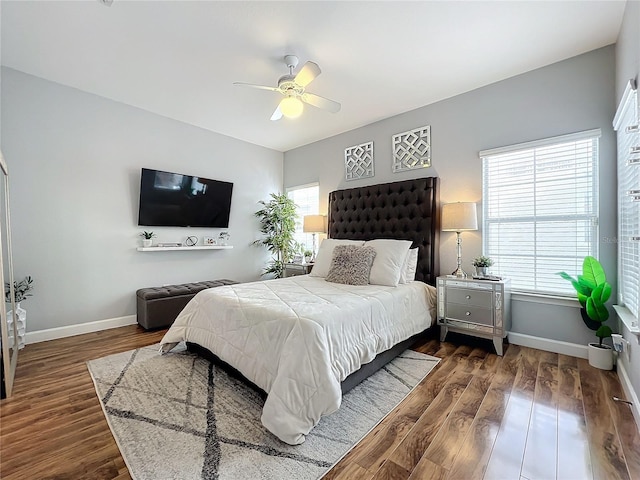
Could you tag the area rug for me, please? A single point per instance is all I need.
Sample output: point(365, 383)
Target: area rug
point(179, 416)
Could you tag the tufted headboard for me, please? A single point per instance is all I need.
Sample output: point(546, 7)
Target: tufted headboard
point(406, 210)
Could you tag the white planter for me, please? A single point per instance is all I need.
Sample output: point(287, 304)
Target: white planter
point(147, 243)
point(600, 357)
point(21, 324)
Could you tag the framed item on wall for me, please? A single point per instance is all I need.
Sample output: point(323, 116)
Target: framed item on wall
point(412, 149)
point(358, 161)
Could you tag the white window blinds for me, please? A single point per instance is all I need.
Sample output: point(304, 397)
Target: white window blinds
point(307, 200)
point(540, 210)
point(628, 138)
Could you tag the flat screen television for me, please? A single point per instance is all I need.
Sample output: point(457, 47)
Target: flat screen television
point(174, 200)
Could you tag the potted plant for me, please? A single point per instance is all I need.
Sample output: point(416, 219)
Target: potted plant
point(147, 238)
point(481, 264)
point(307, 256)
point(277, 224)
point(593, 291)
point(21, 291)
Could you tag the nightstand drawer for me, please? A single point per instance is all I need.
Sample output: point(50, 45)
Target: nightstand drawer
point(470, 314)
point(467, 296)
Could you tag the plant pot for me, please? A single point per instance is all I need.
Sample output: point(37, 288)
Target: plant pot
point(481, 271)
point(147, 243)
point(307, 259)
point(600, 356)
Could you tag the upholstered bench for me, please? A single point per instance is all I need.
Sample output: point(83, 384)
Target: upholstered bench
point(158, 307)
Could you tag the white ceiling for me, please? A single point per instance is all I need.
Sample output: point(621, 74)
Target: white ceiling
point(179, 59)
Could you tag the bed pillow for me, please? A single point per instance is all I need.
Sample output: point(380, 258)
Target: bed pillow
point(351, 265)
point(325, 254)
point(409, 267)
point(387, 266)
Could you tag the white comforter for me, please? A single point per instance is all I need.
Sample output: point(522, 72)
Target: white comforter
point(297, 338)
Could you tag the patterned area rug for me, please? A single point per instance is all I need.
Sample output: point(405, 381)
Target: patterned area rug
point(178, 416)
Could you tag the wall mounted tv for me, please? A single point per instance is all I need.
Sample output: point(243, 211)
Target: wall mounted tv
point(174, 200)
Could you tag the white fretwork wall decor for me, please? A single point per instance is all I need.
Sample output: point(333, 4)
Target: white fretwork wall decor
point(412, 149)
point(358, 161)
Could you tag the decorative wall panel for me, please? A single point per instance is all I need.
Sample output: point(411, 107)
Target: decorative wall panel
point(358, 161)
point(412, 149)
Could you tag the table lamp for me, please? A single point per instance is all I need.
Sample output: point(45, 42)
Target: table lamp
point(314, 224)
point(459, 217)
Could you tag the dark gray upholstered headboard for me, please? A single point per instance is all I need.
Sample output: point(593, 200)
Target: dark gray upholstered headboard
point(406, 210)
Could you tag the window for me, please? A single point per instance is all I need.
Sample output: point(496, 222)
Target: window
point(628, 135)
point(540, 210)
point(307, 199)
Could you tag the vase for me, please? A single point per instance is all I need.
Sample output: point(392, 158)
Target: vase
point(147, 243)
point(21, 324)
point(600, 356)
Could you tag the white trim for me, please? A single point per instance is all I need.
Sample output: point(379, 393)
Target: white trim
point(545, 299)
point(629, 90)
point(300, 187)
point(629, 392)
point(548, 345)
point(571, 137)
point(71, 330)
point(627, 318)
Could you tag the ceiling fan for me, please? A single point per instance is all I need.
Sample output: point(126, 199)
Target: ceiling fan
point(292, 87)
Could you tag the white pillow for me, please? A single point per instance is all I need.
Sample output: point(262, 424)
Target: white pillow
point(325, 255)
point(410, 265)
point(387, 266)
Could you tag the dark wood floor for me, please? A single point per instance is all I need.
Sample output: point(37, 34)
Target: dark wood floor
point(528, 415)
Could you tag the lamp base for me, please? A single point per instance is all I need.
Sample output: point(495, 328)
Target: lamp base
point(459, 273)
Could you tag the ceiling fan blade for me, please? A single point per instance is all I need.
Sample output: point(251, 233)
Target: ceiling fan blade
point(305, 76)
point(277, 114)
point(262, 87)
point(321, 102)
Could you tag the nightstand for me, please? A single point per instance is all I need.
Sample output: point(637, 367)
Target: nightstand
point(293, 269)
point(481, 308)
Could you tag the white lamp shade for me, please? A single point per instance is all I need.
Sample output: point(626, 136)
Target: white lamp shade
point(314, 224)
point(460, 216)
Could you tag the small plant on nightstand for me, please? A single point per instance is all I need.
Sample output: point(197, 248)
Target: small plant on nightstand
point(481, 264)
point(307, 256)
point(147, 238)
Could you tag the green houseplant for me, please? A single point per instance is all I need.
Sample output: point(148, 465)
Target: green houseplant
point(21, 290)
point(593, 291)
point(147, 238)
point(277, 224)
point(481, 264)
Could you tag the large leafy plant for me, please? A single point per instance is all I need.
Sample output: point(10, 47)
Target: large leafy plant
point(593, 291)
point(277, 224)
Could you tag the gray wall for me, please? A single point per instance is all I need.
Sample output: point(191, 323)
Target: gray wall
point(75, 160)
point(628, 67)
point(570, 96)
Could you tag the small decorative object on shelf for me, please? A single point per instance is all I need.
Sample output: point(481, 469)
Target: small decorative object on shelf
point(147, 238)
point(191, 241)
point(21, 291)
point(481, 264)
point(223, 238)
point(209, 241)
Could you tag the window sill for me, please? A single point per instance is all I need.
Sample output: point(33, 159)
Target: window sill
point(628, 319)
point(545, 299)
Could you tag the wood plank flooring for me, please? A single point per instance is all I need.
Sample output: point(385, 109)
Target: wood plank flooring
point(525, 416)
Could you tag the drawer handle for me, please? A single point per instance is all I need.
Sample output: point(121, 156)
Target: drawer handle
point(468, 297)
point(468, 314)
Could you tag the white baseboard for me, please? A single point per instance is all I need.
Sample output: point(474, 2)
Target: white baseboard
point(71, 330)
point(548, 345)
point(629, 392)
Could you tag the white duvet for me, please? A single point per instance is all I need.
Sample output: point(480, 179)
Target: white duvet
point(297, 338)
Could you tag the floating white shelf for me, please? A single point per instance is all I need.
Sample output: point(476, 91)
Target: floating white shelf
point(195, 247)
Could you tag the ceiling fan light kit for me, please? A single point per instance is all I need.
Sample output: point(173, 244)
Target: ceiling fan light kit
point(292, 87)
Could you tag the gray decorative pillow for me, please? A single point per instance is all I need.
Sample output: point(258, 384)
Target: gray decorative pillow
point(351, 265)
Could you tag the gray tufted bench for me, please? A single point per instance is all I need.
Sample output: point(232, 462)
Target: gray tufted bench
point(158, 307)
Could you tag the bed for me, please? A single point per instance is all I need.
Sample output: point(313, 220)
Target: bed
point(304, 340)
